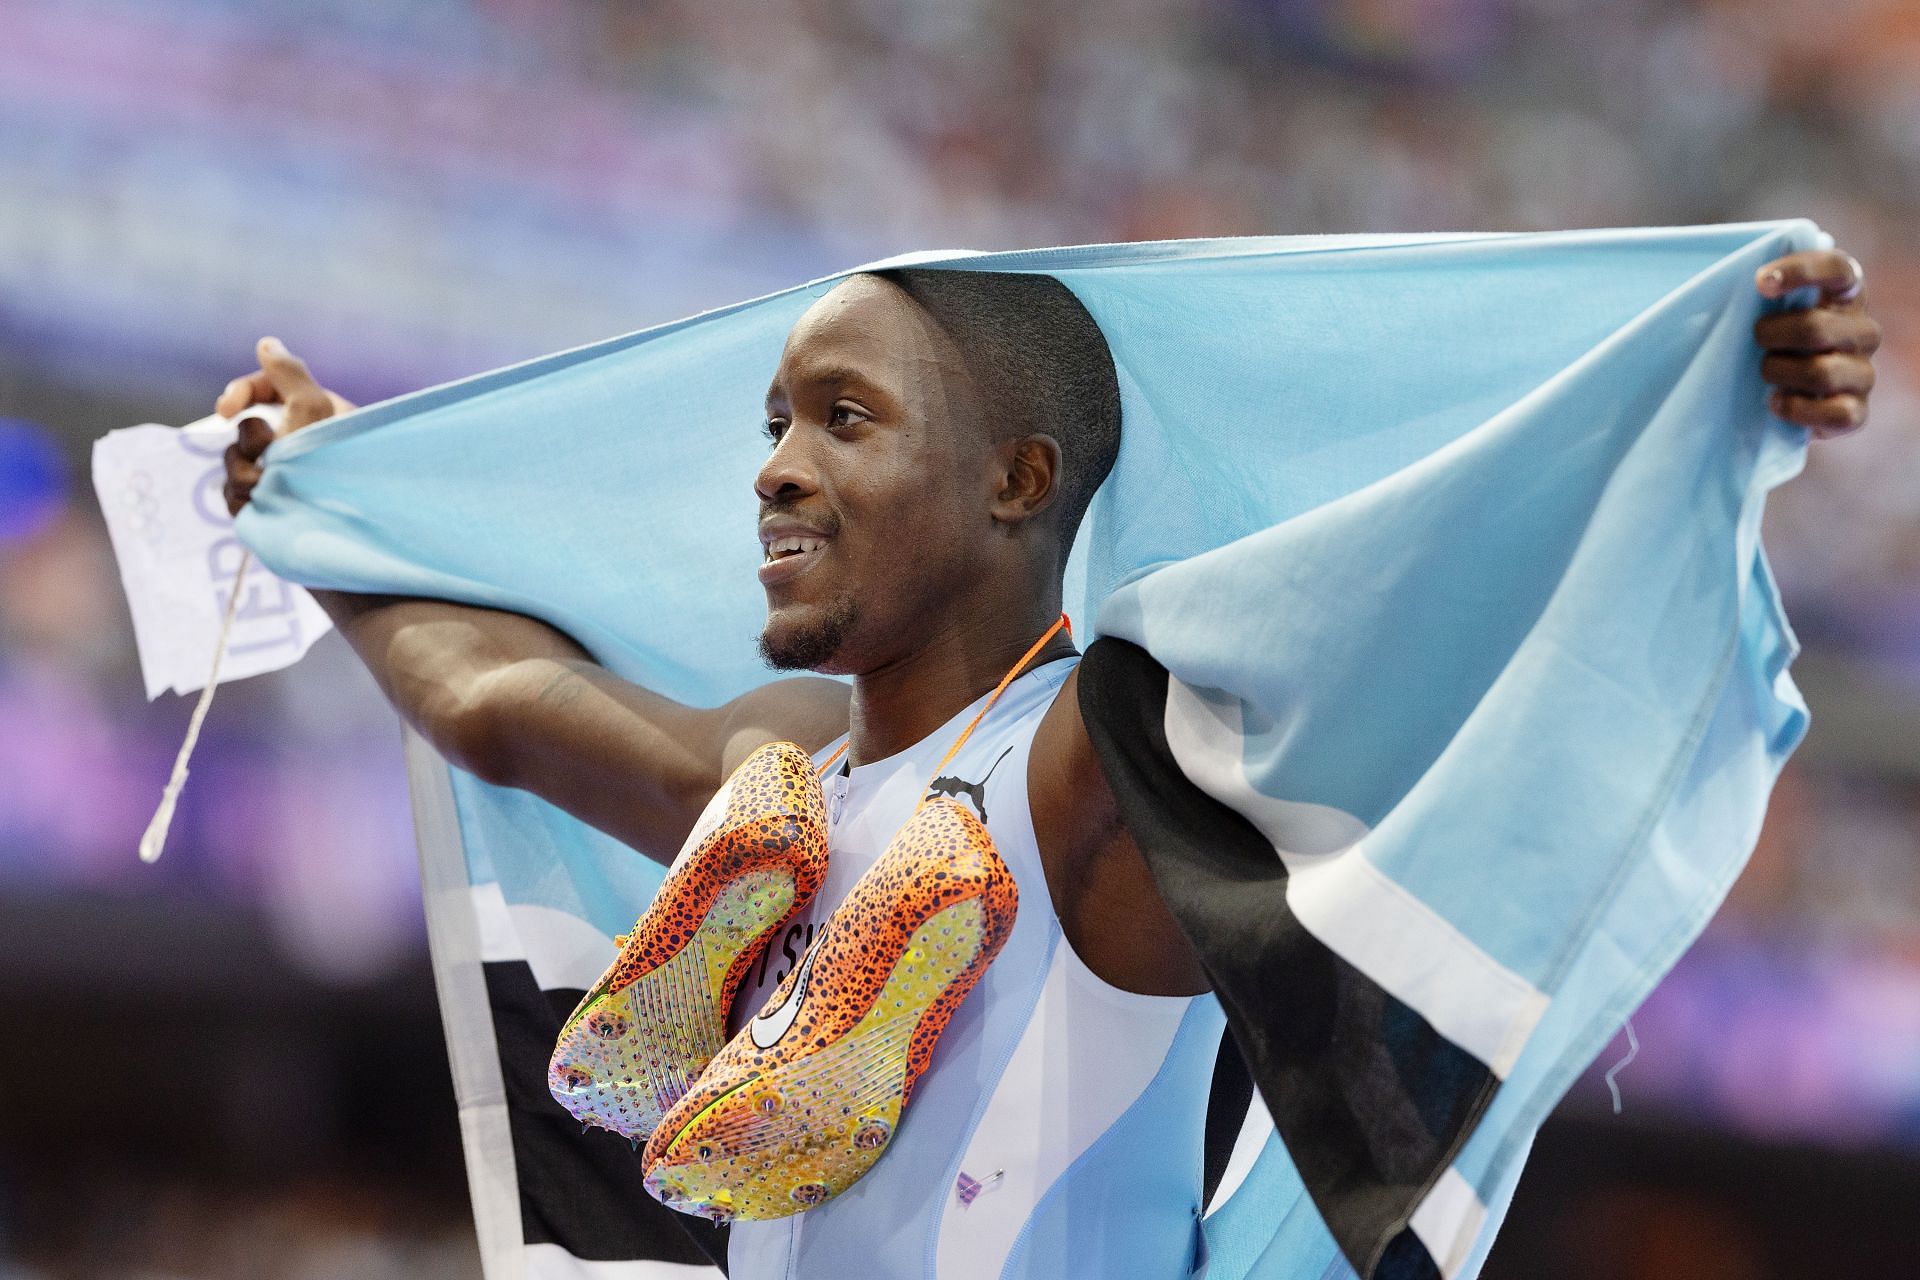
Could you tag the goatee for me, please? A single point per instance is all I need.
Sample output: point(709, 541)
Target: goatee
point(812, 644)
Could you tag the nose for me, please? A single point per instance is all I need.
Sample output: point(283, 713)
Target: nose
point(790, 472)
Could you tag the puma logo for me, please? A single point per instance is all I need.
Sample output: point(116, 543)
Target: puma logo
point(976, 792)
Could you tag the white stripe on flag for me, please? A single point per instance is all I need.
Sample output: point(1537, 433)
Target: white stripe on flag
point(454, 930)
point(468, 924)
point(564, 951)
point(1347, 903)
point(1255, 1130)
point(1448, 1222)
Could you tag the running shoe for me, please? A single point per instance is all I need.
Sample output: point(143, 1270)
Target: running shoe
point(803, 1101)
point(638, 1039)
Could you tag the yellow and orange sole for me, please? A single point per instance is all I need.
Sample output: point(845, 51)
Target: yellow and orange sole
point(768, 1133)
point(639, 1039)
point(625, 1056)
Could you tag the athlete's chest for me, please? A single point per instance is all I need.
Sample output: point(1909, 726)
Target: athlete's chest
point(867, 807)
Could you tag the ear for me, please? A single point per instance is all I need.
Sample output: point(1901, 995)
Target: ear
point(1028, 473)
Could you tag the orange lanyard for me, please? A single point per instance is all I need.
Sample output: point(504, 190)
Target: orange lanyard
point(994, 697)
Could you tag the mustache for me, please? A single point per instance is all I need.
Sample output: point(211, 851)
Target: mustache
point(827, 522)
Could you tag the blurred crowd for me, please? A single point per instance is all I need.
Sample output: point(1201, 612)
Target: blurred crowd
point(133, 1229)
point(408, 193)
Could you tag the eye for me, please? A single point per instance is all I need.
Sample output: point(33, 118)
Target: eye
point(774, 428)
point(845, 415)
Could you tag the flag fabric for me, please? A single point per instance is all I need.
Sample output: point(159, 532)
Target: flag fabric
point(1434, 660)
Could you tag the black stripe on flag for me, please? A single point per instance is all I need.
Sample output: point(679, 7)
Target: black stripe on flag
point(1227, 1104)
point(1371, 1101)
point(581, 1191)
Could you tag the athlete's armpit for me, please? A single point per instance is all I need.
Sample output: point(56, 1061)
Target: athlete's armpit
point(1103, 891)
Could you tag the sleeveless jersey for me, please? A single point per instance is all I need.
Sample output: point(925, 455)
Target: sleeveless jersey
point(1057, 1134)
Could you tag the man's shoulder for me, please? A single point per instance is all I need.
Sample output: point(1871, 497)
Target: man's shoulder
point(812, 711)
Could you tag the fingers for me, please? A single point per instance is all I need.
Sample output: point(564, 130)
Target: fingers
point(242, 457)
point(1825, 416)
point(243, 472)
point(307, 402)
point(1822, 375)
point(1825, 393)
point(1818, 330)
point(1819, 359)
point(252, 389)
point(243, 465)
point(1836, 275)
point(255, 436)
point(283, 379)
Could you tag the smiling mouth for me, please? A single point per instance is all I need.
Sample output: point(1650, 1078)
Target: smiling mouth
point(788, 548)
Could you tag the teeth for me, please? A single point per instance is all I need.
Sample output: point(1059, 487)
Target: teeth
point(788, 546)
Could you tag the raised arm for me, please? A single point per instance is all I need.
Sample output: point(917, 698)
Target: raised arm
point(516, 702)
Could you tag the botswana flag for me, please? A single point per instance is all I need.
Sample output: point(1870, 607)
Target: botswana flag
point(1436, 665)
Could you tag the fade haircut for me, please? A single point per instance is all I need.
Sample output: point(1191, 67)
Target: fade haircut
point(1040, 363)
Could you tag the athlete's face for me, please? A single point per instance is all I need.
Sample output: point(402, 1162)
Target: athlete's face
point(879, 473)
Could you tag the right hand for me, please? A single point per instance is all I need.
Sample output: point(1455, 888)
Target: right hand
point(283, 379)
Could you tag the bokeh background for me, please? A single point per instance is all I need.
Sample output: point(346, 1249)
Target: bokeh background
point(229, 1064)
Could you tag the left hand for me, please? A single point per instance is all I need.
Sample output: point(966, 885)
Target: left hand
point(1819, 360)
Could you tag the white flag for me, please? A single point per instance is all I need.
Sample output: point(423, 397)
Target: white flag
point(159, 488)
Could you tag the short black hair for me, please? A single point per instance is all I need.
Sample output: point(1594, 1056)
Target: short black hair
point(1030, 344)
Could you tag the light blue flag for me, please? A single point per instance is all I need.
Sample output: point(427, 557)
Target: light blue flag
point(1431, 562)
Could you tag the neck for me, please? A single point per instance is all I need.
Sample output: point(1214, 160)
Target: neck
point(903, 700)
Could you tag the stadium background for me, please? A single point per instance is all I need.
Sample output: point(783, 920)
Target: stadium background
point(229, 1065)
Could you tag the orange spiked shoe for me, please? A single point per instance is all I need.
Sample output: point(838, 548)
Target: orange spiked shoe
point(636, 1041)
point(803, 1101)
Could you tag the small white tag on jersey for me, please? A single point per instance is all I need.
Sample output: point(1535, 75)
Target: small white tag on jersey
point(160, 490)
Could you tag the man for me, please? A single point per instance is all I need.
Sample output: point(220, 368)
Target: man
point(933, 503)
